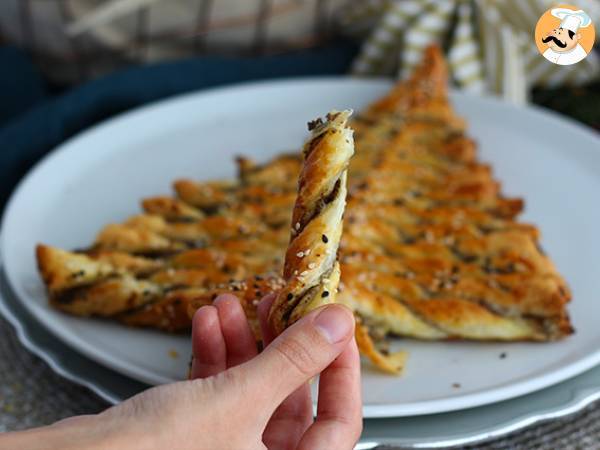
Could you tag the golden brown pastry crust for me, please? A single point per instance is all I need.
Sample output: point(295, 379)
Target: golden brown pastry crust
point(311, 269)
point(431, 248)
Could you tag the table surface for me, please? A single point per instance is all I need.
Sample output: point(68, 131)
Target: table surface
point(31, 394)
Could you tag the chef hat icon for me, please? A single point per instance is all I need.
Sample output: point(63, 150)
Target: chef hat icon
point(571, 20)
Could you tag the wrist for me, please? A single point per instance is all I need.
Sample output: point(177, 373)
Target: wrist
point(90, 432)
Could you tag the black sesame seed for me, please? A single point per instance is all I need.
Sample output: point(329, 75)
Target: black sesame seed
point(325, 239)
point(314, 124)
point(325, 294)
point(290, 296)
point(503, 355)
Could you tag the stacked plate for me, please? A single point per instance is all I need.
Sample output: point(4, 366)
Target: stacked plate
point(451, 393)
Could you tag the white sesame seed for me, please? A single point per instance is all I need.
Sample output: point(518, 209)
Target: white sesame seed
point(300, 254)
point(449, 240)
point(493, 284)
point(297, 225)
point(304, 272)
point(312, 265)
point(307, 251)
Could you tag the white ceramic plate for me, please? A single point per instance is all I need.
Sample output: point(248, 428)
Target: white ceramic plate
point(100, 175)
point(438, 430)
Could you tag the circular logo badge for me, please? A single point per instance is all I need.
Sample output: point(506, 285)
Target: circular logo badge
point(565, 35)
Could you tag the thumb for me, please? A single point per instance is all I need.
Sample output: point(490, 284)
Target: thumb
point(302, 351)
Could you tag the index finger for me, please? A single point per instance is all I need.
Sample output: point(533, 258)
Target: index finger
point(339, 411)
point(267, 332)
point(291, 419)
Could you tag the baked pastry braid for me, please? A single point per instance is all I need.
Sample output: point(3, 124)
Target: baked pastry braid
point(392, 363)
point(311, 270)
point(431, 247)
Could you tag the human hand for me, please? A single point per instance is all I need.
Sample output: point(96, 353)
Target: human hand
point(240, 400)
point(222, 339)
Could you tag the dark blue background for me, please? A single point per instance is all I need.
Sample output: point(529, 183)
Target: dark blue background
point(33, 122)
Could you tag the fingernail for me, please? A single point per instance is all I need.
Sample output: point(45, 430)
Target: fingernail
point(334, 323)
point(225, 297)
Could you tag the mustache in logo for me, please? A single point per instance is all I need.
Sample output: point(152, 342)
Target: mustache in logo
point(556, 41)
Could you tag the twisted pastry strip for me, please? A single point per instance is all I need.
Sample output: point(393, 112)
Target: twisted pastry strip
point(311, 270)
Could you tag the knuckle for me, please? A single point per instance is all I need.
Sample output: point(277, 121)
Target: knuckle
point(358, 428)
point(353, 428)
point(233, 384)
point(234, 377)
point(297, 354)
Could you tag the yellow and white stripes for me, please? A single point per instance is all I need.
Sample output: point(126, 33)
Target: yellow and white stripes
point(424, 30)
point(464, 56)
point(490, 42)
point(384, 40)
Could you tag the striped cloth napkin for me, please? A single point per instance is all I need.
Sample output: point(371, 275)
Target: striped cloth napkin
point(489, 43)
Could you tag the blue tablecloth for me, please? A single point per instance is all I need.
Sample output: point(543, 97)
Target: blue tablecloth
point(33, 122)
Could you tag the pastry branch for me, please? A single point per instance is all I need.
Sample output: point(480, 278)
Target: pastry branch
point(311, 270)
